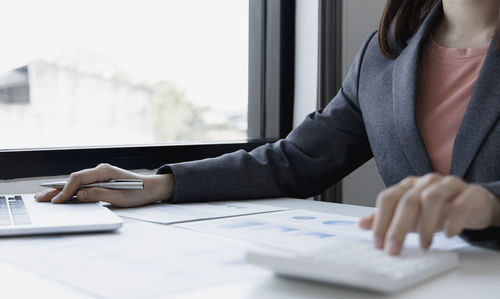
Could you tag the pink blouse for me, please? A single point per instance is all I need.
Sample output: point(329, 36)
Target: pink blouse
point(446, 79)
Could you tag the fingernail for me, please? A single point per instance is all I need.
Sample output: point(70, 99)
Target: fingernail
point(54, 199)
point(379, 242)
point(425, 244)
point(393, 247)
point(81, 195)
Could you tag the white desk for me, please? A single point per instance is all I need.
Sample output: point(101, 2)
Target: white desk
point(478, 275)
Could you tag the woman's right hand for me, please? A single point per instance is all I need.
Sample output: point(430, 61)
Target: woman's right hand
point(156, 188)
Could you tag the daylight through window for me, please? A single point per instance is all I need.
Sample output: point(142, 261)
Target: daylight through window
point(101, 73)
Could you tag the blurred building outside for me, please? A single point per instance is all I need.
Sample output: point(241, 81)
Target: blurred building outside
point(47, 104)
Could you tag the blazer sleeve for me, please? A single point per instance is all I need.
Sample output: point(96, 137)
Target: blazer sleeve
point(327, 146)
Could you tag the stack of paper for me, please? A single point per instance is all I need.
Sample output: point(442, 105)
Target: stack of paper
point(165, 213)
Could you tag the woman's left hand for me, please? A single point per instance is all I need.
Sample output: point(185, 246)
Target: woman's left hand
point(429, 204)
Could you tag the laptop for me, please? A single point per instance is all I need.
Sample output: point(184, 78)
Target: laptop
point(23, 215)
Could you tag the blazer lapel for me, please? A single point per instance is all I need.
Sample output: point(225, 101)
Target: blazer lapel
point(482, 114)
point(404, 90)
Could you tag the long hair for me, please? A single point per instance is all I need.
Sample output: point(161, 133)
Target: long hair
point(402, 18)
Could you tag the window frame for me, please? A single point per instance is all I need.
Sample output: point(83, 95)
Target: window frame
point(270, 109)
point(330, 21)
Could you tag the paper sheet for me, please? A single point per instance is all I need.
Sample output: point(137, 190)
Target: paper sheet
point(165, 213)
point(302, 230)
point(142, 260)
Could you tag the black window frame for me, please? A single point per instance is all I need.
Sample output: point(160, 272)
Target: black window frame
point(329, 69)
point(270, 109)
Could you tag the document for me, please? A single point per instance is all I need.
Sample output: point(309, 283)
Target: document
point(164, 213)
point(302, 230)
point(142, 260)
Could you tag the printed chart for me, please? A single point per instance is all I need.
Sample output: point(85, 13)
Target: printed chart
point(302, 230)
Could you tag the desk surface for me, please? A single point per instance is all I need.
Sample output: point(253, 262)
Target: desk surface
point(61, 268)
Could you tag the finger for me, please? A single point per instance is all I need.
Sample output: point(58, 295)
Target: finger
point(367, 222)
point(103, 172)
point(406, 214)
point(94, 194)
point(118, 198)
point(387, 201)
point(433, 199)
point(46, 195)
point(460, 211)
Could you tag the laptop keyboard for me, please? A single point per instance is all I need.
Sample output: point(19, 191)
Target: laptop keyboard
point(13, 211)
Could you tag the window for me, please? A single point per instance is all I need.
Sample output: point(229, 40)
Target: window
point(141, 83)
point(124, 72)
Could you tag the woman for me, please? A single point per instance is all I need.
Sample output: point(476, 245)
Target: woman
point(420, 97)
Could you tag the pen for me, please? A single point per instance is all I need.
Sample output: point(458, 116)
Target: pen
point(123, 184)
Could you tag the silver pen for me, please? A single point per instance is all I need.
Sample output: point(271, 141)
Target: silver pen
point(123, 184)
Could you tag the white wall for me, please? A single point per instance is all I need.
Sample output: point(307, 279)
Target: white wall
point(360, 17)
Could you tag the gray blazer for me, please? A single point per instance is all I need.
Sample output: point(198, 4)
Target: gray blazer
point(373, 115)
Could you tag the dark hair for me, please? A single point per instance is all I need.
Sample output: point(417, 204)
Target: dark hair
point(403, 18)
